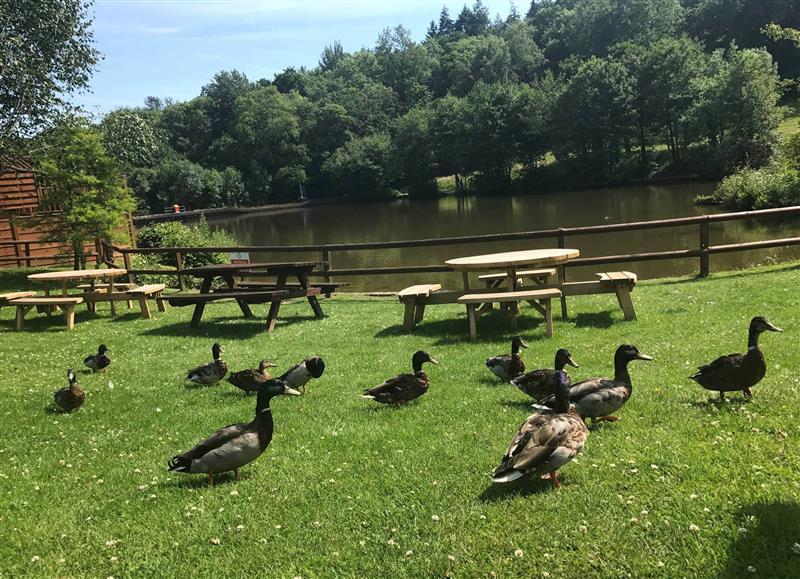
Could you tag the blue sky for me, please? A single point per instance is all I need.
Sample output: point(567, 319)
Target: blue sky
point(173, 47)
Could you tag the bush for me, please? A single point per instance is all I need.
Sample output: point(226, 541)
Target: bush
point(177, 234)
point(759, 188)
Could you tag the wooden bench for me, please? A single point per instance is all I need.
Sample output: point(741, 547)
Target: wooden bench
point(414, 298)
point(537, 298)
point(7, 297)
point(142, 293)
point(67, 304)
point(250, 297)
point(325, 287)
point(620, 283)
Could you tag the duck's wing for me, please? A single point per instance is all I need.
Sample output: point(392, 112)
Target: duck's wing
point(247, 379)
point(538, 384)
point(542, 444)
point(216, 440)
point(723, 363)
point(91, 361)
point(297, 375)
point(402, 387)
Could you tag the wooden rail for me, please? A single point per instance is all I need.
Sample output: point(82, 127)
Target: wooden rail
point(702, 251)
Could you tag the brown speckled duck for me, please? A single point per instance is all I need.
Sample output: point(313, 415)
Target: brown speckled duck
point(545, 442)
point(507, 367)
point(737, 371)
point(71, 398)
point(405, 387)
point(541, 384)
point(251, 379)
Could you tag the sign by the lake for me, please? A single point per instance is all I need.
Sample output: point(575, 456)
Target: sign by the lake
point(239, 257)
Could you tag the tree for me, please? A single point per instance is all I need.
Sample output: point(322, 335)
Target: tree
point(46, 55)
point(129, 138)
point(404, 66)
point(85, 182)
point(331, 55)
point(413, 151)
point(361, 167)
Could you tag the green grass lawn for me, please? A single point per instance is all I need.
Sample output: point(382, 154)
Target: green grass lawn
point(679, 487)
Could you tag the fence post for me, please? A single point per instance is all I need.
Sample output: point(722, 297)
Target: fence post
point(181, 279)
point(326, 266)
point(28, 261)
point(704, 255)
point(14, 238)
point(562, 273)
point(127, 261)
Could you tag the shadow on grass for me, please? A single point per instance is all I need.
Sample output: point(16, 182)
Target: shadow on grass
point(200, 480)
point(226, 327)
point(599, 320)
point(769, 546)
point(529, 486)
point(492, 327)
point(728, 405)
point(519, 405)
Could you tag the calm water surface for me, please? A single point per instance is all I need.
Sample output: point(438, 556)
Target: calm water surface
point(456, 216)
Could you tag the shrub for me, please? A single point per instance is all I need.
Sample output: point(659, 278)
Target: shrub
point(177, 234)
point(759, 188)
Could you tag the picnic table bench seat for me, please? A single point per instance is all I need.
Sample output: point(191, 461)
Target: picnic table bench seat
point(620, 283)
point(250, 297)
point(66, 304)
point(141, 293)
point(414, 299)
point(325, 287)
point(105, 286)
point(532, 296)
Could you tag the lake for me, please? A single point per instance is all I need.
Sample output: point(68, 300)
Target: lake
point(456, 216)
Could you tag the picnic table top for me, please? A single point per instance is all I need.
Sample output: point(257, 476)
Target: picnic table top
point(513, 258)
point(235, 268)
point(76, 274)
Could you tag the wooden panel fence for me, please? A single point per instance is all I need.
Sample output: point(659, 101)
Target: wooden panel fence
point(702, 251)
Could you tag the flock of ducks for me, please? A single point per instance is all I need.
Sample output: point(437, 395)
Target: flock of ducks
point(546, 440)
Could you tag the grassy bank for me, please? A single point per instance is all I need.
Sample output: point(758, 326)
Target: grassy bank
point(351, 489)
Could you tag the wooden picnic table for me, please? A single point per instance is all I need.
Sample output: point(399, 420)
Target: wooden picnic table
point(63, 278)
point(511, 262)
point(274, 293)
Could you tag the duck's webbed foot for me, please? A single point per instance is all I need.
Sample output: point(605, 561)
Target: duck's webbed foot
point(721, 396)
point(606, 419)
point(554, 479)
point(211, 479)
point(747, 393)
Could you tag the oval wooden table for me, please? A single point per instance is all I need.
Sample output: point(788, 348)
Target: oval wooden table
point(62, 278)
point(511, 262)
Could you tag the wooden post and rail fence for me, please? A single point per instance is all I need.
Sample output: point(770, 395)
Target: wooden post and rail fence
point(702, 251)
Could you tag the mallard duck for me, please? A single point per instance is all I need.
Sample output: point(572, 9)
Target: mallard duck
point(405, 387)
point(234, 446)
point(70, 398)
point(98, 361)
point(546, 441)
point(737, 371)
point(507, 367)
point(212, 372)
point(541, 384)
point(598, 398)
point(298, 375)
point(250, 380)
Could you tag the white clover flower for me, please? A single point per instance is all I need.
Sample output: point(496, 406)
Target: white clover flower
point(694, 528)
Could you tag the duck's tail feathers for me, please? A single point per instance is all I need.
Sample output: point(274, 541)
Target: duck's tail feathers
point(541, 408)
point(180, 464)
point(507, 477)
point(695, 377)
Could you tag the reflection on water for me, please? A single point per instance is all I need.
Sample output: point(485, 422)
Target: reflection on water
point(458, 216)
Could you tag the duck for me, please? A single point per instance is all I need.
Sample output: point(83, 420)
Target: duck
point(508, 367)
point(738, 371)
point(251, 379)
point(546, 441)
point(541, 384)
point(232, 447)
point(72, 397)
point(212, 372)
point(299, 375)
point(598, 398)
point(98, 360)
point(405, 387)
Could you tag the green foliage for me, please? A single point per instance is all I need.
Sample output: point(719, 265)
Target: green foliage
point(177, 234)
point(759, 188)
point(130, 139)
point(46, 55)
point(84, 182)
point(790, 150)
point(363, 164)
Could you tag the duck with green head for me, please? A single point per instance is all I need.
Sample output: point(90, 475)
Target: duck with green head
point(599, 398)
point(212, 372)
point(738, 371)
point(542, 383)
point(505, 366)
point(234, 446)
point(405, 387)
point(99, 360)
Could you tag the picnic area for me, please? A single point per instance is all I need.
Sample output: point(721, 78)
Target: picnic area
point(347, 488)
